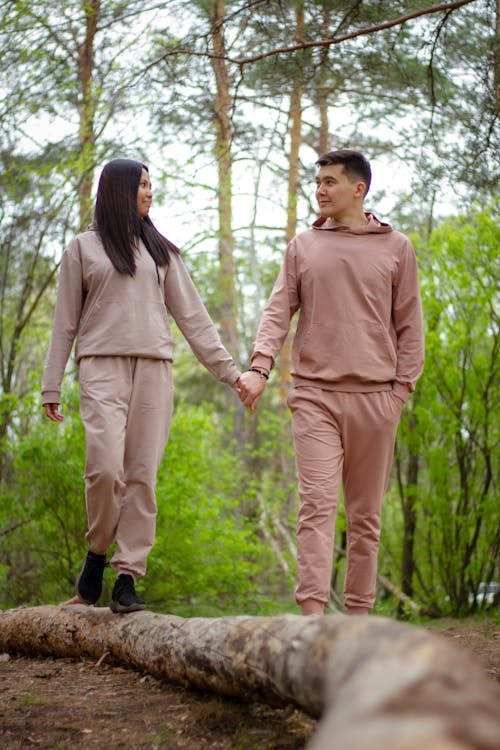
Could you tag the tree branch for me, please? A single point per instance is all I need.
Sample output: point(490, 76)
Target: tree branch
point(327, 42)
point(13, 526)
point(360, 32)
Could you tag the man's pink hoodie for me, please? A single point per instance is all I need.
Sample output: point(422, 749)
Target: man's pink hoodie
point(360, 327)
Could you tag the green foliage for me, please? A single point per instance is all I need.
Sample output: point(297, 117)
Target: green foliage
point(32, 699)
point(272, 494)
point(207, 557)
point(43, 505)
point(454, 424)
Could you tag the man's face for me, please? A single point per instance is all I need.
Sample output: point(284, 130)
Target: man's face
point(335, 192)
point(144, 195)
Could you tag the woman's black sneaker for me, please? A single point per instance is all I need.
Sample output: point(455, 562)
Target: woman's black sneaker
point(89, 583)
point(124, 598)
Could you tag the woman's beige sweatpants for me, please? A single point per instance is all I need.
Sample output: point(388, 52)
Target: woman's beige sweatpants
point(126, 407)
point(339, 438)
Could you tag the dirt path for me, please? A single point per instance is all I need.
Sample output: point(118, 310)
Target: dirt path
point(62, 703)
point(59, 704)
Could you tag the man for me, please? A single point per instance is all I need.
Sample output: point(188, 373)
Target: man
point(357, 354)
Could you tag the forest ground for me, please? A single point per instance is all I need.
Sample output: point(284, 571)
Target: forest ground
point(59, 704)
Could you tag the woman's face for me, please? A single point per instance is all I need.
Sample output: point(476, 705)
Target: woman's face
point(144, 195)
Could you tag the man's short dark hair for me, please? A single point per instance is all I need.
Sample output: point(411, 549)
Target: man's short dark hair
point(356, 166)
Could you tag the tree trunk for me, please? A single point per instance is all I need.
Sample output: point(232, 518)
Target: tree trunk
point(410, 512)
point(322, 94)
point(496, 57)
point(226, 302)
point(412, 689)
point(284, 364)
point(324, 125)
point(86, 111)
point(285, 359)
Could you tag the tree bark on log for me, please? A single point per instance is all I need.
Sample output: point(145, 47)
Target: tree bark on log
point(376, 683)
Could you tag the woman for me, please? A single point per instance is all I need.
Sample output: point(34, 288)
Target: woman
point(116, 283)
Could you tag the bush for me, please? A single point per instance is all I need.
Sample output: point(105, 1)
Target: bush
point(207, 556)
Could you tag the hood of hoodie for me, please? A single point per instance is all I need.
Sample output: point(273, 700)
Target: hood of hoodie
point(373, 225)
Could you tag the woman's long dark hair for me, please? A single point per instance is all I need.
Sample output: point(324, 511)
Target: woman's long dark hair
point(117, 219)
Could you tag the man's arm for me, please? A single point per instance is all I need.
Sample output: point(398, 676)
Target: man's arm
point(408, 323)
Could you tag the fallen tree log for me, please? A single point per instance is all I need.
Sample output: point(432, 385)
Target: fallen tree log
point(376, 683)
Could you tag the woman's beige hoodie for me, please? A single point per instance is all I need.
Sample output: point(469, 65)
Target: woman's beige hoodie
point(360, 326)
point(114, 314)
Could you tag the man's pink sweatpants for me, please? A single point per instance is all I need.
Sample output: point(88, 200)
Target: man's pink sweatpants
point(341, 438)
point(126, 407)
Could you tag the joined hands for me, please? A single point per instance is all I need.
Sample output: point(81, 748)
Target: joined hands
point(250, 387)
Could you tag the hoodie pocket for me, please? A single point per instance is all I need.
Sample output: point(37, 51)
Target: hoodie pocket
point(347, 350)
point(133, 326)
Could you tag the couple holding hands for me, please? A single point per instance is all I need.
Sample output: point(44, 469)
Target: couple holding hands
point(357, 354)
